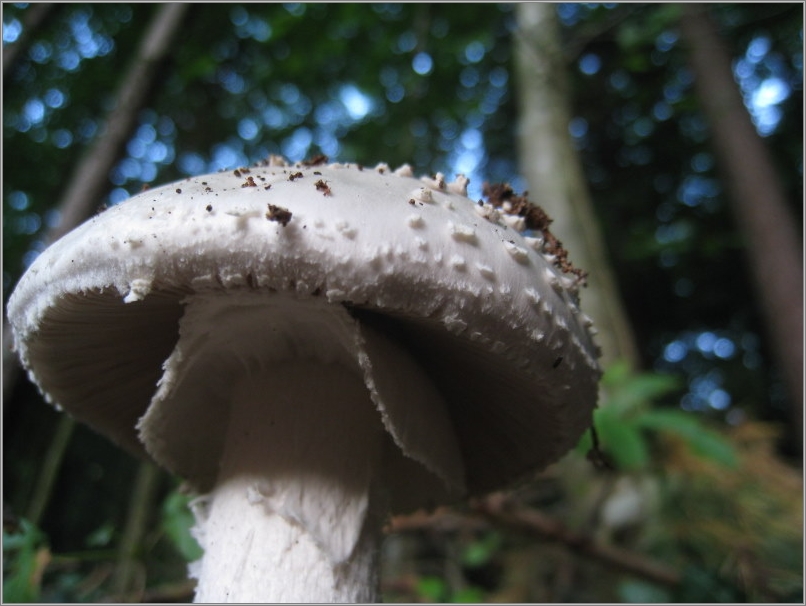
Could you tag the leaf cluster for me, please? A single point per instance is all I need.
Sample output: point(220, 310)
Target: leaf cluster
point(628, 419)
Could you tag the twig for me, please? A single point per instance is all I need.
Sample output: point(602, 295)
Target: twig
point(50, 469)
point(507, 512)
point(501, 511)
point(141, 505)
point(443, 519)
point(179, 592)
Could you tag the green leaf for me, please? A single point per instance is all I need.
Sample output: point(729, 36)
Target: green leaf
point(431, 588)
point(616, 374)
point(177, 520)
point(479, 552)
point(468, 595)
point(585, 444)
point(22, 563)
point(621, 440)
point(702, 441)
point(640, 390)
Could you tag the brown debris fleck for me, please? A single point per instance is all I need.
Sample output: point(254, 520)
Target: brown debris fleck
point(296, 175)
point(279, 214)
point(179, 191)
point(250, 182)
point(499, 194)
point(323, 187)
point(316, 160)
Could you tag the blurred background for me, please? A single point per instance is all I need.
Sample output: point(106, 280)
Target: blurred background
point(666, 141)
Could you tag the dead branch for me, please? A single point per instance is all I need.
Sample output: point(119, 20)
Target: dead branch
point(499, 511)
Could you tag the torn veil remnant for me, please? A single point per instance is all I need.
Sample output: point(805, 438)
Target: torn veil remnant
point(387, 346)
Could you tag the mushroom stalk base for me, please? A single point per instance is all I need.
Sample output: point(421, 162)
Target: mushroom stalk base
point(292, 516)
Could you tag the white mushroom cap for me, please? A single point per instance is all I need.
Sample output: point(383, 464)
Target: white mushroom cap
point(474, 310)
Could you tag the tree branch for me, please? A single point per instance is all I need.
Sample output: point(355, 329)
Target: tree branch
point(504, 512)
point(509, 513)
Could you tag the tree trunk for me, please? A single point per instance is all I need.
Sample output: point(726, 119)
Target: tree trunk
point(555, 176)
point(759, 202)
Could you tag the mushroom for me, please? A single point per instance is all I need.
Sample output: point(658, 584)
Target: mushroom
point(312, 347)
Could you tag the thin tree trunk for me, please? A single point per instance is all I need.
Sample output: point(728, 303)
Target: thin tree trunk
point(90, 178)
point(554, 172)
point(759, 202)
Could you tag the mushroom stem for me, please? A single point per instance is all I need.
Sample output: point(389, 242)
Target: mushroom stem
point(291, 516)
point(298, 424)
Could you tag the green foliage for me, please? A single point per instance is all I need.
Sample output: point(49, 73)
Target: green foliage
point(436, 589)
point(702, 441)
point(628, 392)
point(627, 420)
point(482, 550)
point(640, 34)
point(642, 592)
point(704, 586)
point(738, 532)
point(432, 589)
point(177, 520)
point(25, 554)
point(468, 595)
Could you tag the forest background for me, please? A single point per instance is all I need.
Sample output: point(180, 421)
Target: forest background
point(701, 414)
